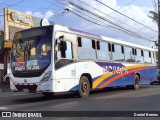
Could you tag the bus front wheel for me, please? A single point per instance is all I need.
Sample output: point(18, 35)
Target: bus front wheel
point(84, 87)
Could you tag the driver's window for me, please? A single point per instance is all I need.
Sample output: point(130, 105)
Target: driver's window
point(68, 52)
point(64, 50)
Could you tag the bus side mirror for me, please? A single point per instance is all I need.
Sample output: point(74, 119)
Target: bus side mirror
point(63, 46)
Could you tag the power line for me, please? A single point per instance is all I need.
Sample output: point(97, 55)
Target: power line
point(111, 16)
point(125, 15)
point(14, 4)
point(121, 29)
point(123, 6)
point(57, 15)
point(100, 17)
point(20, 6)
point(118, 27)
point(117, 9)
point(53, 3)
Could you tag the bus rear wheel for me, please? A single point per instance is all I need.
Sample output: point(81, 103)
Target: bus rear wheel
point(136, 85)
point(84, 87)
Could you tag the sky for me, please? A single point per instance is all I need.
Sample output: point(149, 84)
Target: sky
point(54, 11)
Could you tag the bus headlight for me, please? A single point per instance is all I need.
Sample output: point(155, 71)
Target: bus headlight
point(46, 76)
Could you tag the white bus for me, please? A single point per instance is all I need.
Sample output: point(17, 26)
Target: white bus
point(51, 59)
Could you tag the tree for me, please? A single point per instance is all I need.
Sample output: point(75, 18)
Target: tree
point(154, 14)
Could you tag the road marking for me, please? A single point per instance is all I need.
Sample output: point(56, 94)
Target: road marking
point(3, 108)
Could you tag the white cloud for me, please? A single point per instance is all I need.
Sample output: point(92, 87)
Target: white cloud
point(28, 12)
point(38, 14)
point(138, 13)
point(47, 15)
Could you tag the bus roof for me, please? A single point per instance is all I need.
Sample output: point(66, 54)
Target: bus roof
point(126, 43)
point(112, 40)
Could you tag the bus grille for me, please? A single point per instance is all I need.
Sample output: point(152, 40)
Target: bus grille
point(31, 88)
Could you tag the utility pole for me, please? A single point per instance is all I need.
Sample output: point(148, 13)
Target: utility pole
point(158, 34)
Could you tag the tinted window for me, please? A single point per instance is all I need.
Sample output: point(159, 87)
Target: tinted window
point(69, 50)
point(118, 54)
point(129, 57)
point(103, 51)
point(86, 51)
point(139, 57)
point(147, 57)
point(153, 58)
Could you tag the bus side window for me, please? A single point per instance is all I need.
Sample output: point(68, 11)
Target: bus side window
point(66, 49)
point(139, 56)
point(118, 54)
point(147, 57)
point(129, 57)
point(153, 58)
point(69, 53)
point(86, 48)
point(63, 49)
point(103, 52)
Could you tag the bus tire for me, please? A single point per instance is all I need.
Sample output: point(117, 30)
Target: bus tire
point(136, 85)
point(48, 94)
point(7, 80)
point(84, 87)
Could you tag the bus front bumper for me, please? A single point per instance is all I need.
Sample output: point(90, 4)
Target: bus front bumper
point(32, 87)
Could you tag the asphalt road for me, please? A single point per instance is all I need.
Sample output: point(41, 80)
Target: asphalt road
point(113, 99)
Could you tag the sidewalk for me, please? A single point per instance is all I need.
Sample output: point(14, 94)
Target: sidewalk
point(4, 88)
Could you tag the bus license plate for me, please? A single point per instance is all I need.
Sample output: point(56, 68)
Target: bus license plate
point(25, 90)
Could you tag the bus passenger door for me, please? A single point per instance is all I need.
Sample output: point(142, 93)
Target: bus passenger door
point(64, 66)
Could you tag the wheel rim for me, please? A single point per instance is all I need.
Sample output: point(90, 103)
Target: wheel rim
point(84, 87)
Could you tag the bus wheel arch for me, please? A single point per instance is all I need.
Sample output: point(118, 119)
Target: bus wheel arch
point(85, 85)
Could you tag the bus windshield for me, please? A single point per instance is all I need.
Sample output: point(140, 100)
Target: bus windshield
point(31, 52)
